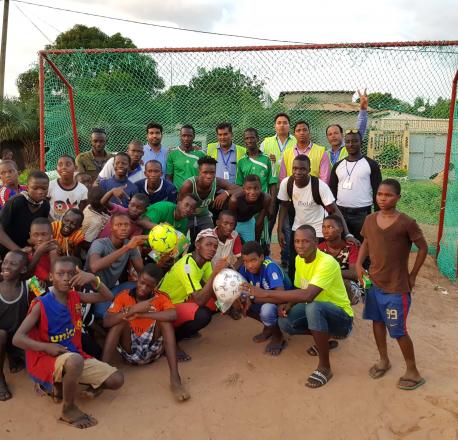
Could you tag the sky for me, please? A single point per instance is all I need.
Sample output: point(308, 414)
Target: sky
point(326, 21)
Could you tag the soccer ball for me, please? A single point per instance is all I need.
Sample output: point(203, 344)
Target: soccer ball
point(226, 286)
point(162, 238)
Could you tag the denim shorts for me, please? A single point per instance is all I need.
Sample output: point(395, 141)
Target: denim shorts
point(390, 308)
point(316, 316)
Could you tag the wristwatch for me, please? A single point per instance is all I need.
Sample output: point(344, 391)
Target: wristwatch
point(252, 298)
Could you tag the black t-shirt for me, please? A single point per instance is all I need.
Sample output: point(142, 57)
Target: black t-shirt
point(16, 217)
point(246, 210)
point(12, 313)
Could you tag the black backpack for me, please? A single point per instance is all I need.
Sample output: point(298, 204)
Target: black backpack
point(314, 181)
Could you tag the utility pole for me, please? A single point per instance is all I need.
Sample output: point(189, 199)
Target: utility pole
point(6, 8)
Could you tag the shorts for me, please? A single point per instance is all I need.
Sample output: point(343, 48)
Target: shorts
point(187, 310)
point(94, 373)
point(390, 308)
point(144, 348)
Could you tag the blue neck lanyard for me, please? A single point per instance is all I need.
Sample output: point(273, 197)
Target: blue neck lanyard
point(228, 157)
point(280, 145)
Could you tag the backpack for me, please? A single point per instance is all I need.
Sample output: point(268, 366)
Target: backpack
point(314, 181)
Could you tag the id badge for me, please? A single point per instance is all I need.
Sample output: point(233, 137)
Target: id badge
point(347, 185)
point(226, 175)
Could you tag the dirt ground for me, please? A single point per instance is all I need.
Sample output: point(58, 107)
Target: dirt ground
point(239, 392)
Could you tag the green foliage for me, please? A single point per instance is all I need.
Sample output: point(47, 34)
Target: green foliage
point(390, 156)
point(394, 172)
point(23, 177)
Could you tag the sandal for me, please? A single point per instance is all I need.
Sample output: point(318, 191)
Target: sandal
point(276, 349)
point(313, 350)
point(415, 384)
point(317, 379)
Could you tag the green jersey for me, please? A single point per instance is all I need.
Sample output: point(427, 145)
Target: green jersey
point(162, 212)
point(260, 165)
point(182, 165)
point(203, 204)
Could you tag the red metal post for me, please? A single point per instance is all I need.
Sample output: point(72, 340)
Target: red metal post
point(70, 101)
point(41, 84)
point(448, 153)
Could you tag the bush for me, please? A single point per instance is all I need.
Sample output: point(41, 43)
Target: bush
point(390, 156)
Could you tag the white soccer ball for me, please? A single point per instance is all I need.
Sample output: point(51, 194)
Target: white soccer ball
point(226, 286)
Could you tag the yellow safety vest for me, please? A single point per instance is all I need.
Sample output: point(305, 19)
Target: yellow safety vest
point(315, 155)
point(270, 146)
point(342, 155)
point(212, 151)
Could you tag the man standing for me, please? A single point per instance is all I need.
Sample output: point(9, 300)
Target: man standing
point(354, 183)
point(136, 167)
point(319, 160)
point(182, 160)
point(319, 306)
point(334, 132)
point(311, 200)
point(226, 153)
point(153, 150)
point(91, 162)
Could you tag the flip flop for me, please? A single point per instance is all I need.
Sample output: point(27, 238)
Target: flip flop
point(276, 349)
point(319, 379)
point(376, 372)
point(83, 422)
point(416, 384)
point(261, 337)
point(313, 350)
point(5, 393)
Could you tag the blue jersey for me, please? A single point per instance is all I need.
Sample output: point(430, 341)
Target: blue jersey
point(166, 191)
point(270, 276)
point(113, 182)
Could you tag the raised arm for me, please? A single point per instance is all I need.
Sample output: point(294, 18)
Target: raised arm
point(361, 123)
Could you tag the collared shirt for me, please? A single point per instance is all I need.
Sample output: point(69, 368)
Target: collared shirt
point(259, 165)
point(86, 163)
point(134, 175)
point(150, 154)
point(231, 248)
point(227, 163)
point(166, 191)
point(325, 169)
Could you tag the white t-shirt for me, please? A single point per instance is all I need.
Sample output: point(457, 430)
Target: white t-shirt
point(61, 200)
point(354, 189)
point(307, 211)
point(134, 176)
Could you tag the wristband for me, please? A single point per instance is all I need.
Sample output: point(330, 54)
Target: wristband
point(227, 193)
point(98, 282)
point(349, 235)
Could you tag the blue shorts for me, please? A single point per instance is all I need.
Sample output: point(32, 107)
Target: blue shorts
point(390, 308)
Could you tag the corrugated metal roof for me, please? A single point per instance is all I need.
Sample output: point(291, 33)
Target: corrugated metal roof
point(316, 91)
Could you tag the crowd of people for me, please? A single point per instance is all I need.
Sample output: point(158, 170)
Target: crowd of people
point(78, 285)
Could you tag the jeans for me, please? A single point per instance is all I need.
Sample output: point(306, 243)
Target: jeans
point(316, 316)
point(101, 308)
point(286, 229)
point(354, 217)
point(267, 313)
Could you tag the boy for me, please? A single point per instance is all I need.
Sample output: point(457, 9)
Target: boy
point(135, 209)
point(68, 233)
point(26, 206)
point(85, 179)
point(96, 215)
point(13, 309)
point(51, 337)
point(155, 186)
point(131, 320)
point(263, 272)
point(9, 178)
point(229, 243)
point(121, 167)
point(388, 237)
point(251, 207)
point(65, 192)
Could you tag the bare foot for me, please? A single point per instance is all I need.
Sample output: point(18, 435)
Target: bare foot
point(5, 393)
point(91, 393)
point(73, 416)
point(179, 392)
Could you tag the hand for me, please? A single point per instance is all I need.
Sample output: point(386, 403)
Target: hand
point(119, 192)
point(27, 249)
point(252, 290)
point(360, 271)
point(354, 241)
point(283, 310)
point(142, 307)
point(136, 241)
point(47, 246)
point(412, 282)
point(220, 265)
point(281, 239)
point(363, 100)
point(273, 158)
point(55, 349)
point(258, 230)
point(220, 200)
point(82, 278)
point(165, 260)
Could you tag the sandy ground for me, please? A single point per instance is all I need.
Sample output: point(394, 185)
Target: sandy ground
point(239, 392)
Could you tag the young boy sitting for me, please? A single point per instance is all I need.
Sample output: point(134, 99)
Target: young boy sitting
point(26, 207)
point(65, 192)
point(229, 243)
point(251, 207)
point(10, 184)
point(132, 319)
point(345, 252)
point(263, 272)
point(51, 337)
point(388, 237)
point(13, 310)
point(68, 233)
point(135, 209)
point(85, 179)
point(96, 215)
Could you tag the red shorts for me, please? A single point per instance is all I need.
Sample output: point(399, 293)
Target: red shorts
point(187, 310)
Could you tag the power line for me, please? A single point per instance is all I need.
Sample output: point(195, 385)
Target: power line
point(125, 20)
point(33, 24)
